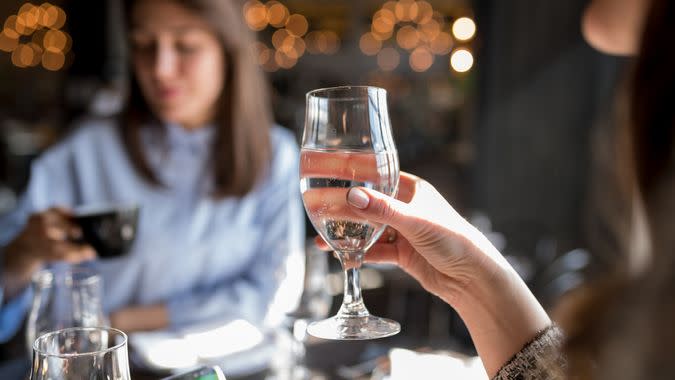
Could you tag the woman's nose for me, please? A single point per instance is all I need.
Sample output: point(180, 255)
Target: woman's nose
point(165, 63)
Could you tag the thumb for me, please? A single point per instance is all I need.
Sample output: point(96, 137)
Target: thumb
point(381, 208)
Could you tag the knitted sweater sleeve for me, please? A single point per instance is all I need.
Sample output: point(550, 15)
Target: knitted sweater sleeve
point(540, 359)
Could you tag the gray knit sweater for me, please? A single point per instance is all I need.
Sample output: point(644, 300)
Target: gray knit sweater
point(540, 359)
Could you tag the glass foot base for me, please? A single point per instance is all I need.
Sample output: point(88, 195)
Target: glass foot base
point(354, 328)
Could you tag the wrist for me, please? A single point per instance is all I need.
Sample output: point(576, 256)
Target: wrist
point(501, 314)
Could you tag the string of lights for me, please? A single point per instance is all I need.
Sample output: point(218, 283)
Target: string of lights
point(33, 37)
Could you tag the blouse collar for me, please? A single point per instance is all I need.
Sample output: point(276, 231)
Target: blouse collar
point(195, 140)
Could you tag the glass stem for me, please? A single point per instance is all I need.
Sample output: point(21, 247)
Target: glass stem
point(352, 302)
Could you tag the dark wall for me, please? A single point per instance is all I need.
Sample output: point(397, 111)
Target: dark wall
point(541, 89)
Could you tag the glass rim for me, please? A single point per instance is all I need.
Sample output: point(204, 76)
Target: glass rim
point(317, 93)
point(45, 277)
point(80, 354)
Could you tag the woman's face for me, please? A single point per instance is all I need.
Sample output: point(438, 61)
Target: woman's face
point(178, 61)
point(615, 26)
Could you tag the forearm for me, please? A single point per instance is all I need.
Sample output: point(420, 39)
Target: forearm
point(502, 315)
point(140, 318)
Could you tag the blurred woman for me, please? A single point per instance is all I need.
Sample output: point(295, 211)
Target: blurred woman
point(621, 328)
point(196, 149)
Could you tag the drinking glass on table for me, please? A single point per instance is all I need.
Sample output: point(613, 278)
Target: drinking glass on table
point(64, 296)
point(81, 353)
point(347, 142)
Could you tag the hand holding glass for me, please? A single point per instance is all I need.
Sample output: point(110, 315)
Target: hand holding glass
point(347, 142)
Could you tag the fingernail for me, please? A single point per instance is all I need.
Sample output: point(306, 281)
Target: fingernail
point(358, 198)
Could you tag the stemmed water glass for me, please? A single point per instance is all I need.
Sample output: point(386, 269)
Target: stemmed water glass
point(81, 353)
point(347, 142)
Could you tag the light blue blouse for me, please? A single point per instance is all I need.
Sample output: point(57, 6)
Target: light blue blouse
point(204, 258)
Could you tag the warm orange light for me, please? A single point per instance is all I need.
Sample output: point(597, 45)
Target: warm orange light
point(297, 25)
point(27, 8)
point(390, 6)
point(429, 30)
point(11, 33)
point(383, 21)
point(369, 45)
point(7, 41)
point(296, 49)
point(23, 56)
point(421, 59)
point(27, 17)
point(407, 37)
point(277, 13)
point(424, 12)
point(332, 42)
point(10, 24)
point(271, 65)
point(60, 18)
point(16, 56)
point(55, 40)
point(283, 60)
point(262, 53)
point(388, 59)
point(405, 10)
point(464, 28)
point(255, 15)
point(461, 60)
point(381, 36)
point(69, 43)
point(53, 61)
point(48, 15)
point(278, 38)
point(312, 41)
point(37, 54)
point(442, 44)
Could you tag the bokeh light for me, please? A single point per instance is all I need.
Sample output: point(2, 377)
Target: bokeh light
point(53, 61)
point(388, 59)
point(55, 40)
point(461, 60)
point(384, 21)
point(255, 15)
point(425, 12)
point(277, 14)
point(407, 37)
point(9, 40)
point(405, 10)
point(463, 28)
point(381, 36)
point(283, 60)
point(429, 30)
point(37, 54)
point(60, 18)
point(442, 44)
point(279, 37)
point(48, 15)
point(332, 42)
point(369, 45)
point(421, 59)
point(297, 25)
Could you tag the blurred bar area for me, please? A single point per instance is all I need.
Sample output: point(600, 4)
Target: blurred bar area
point(498, 104)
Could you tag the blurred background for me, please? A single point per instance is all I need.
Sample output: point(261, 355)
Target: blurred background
point(499, 104)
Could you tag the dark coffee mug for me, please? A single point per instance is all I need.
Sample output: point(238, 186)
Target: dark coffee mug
point(110, 230)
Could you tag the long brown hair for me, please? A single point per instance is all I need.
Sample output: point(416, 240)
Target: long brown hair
point(624, 314)
point(241, 150)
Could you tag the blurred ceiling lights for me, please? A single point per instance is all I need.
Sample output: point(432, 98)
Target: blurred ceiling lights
point(418, 29)
point(33, 37)
point(461, 60)
point(290, 40)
